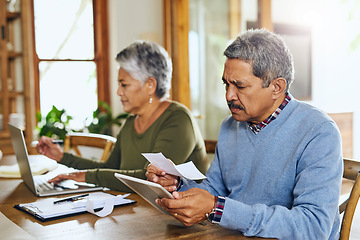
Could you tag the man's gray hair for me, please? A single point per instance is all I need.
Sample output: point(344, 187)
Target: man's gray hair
point(144, 59)
point(266, 52)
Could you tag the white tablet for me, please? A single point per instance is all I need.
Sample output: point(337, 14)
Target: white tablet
point(149, 191)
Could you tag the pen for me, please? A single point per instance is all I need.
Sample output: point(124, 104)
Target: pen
point(71, 199)
point(35, 143)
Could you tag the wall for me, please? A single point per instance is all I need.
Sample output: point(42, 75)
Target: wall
point(130, 21)
point(335, 75)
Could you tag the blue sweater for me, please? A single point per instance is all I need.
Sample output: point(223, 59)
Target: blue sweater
point(283, 182)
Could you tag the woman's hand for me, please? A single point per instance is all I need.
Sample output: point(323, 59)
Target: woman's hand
point(78, 176)
point(168, 181)
point(49, 149)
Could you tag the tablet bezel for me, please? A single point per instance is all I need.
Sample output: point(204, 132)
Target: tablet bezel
point(149, 191)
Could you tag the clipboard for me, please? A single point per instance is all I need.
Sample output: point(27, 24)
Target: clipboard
point(46, 210)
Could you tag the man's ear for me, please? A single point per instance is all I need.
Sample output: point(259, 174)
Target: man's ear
point(279, 86)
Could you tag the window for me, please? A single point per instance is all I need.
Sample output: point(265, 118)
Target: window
point(70, 47)
point(208, 37)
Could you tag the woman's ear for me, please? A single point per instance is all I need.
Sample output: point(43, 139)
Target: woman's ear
point(151, 84)
point(279, 86)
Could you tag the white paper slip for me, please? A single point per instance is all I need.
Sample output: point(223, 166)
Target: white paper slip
point(187, 170)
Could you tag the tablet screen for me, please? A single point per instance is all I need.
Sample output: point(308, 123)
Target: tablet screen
point(150, 191)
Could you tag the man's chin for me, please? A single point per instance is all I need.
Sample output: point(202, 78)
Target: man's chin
point(238, 117)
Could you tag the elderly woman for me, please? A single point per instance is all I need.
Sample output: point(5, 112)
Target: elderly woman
point(156, 124)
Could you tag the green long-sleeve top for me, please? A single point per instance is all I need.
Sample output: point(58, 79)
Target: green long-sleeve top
point(175, 134)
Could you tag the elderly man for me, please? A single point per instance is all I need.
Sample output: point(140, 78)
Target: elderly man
point(278, 167)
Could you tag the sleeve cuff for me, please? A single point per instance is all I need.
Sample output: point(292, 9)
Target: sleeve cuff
point(181, 183)
point(219, 208)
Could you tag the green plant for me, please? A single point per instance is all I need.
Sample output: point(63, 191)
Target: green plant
point(55, 124)
point(103, 119)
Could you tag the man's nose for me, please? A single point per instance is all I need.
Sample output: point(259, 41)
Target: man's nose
point(231, 93)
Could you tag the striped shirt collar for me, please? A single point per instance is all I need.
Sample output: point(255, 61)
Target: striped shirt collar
point(256, 128)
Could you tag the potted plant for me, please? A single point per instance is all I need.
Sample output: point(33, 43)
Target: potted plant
point(103, 120)
point(57, 122)
point(55, 125)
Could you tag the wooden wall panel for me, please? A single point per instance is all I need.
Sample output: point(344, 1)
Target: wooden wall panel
point(345, 123)
point(176, 19)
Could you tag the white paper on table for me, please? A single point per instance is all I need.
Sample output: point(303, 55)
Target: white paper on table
point(108, 204)
point(187, 170)
point(9, 230)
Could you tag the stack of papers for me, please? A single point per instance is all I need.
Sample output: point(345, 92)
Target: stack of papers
point(39, 165)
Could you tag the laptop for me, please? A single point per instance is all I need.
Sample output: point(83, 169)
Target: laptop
point(38, 184)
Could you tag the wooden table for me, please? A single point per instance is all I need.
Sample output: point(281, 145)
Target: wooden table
point(136, 221)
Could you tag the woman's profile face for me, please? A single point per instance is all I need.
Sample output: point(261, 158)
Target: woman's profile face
point(132, 93)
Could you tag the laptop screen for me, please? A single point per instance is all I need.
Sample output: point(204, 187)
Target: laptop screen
point(18, 141)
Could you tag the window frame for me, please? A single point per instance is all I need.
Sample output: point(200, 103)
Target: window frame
point(101, 53)
point(176, 39)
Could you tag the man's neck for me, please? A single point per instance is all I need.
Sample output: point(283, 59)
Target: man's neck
point(275, 106)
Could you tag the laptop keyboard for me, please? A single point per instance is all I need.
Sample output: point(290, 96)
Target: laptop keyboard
point(43, 185)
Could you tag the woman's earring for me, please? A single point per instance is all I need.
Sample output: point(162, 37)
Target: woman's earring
point(150, 100)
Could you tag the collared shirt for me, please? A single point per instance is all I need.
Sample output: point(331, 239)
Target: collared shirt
point(256, 128)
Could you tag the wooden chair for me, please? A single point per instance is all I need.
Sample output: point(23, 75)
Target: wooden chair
point(74, 140)
point(351, 172)
point(210, 146)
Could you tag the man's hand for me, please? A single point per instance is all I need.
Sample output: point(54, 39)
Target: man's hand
point(189, 207)
point(169, 182)
point(76, 176)
point(49, 149)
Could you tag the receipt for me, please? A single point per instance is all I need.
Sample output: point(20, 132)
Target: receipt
point(109, 202)
point(187, 170)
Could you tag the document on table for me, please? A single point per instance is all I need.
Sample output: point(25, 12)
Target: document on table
point(187, 170)
point(39, 164)
point(48, 209)
point(10, 230)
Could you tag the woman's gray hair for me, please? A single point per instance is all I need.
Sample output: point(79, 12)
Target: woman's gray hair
point(266, 52)
point(144, 59)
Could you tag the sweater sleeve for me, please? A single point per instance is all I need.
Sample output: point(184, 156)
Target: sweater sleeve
point(213, 182)
point(113, 161)
point(106, 178)
point(102, 173)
